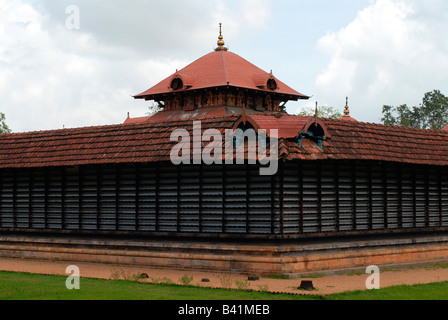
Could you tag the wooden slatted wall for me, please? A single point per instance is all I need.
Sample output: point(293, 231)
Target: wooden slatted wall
point(304, 198)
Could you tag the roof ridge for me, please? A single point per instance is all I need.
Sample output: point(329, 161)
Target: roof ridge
point(394, 127)
point(225, 67)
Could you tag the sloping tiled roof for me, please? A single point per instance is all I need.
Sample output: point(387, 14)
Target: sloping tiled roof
point(150, 142)
point(218, 69)
point(288, 126)
point(366, 141)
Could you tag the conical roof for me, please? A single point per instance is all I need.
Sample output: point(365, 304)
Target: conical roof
point(222, 69)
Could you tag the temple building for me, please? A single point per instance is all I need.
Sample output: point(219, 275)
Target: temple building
point(345, 191)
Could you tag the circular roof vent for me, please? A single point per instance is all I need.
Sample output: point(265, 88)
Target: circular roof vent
point(177, 84)
point(272, 84)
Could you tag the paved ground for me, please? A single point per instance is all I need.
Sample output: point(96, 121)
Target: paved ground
point(323, 284)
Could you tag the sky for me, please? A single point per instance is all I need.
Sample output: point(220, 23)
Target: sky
point(77, 63)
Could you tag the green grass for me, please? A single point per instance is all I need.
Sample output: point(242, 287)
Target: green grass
point(21, 286)
point(434, 291)
point(278, 277)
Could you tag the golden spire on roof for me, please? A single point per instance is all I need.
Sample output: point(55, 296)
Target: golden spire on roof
point(347, 109)
point(221, 43)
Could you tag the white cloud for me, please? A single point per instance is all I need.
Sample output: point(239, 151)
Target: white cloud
point(392, 53)
point(256, 12)
point(52, 76)
point(55, 77)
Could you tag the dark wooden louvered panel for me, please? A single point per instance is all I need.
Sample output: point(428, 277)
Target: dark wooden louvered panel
point(72, 200)
point(23, 219)
point(147, 198)
point(7, 199)
point(304, 198)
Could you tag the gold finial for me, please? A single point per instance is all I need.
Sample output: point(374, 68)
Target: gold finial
point(221, 43)
point(347, 109)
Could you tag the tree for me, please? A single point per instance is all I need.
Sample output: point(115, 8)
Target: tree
point(154, 108)
point(3, 127)
point(432, 113)
point(322, 112)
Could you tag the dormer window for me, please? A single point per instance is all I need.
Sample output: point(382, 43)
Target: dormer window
point(316, 131)
point(272, 84)
point(177, 84)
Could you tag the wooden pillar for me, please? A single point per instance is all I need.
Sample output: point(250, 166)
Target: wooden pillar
point(414, 193)
point(301, 211)
point(370, 191)
point(439, 186)
point(281, 181)
point(117, 197)
point(178, 206)
point(14, 198)
point(80, 187)
point(201, 188)
point(99, 186)
point(385, 205)
point(63, 197)
point(319, 195)
point(336, 193)
point(400, 196)
point(247, 171)
point(354, 198)
point(30, 197)
point(46, 178)
point(157, 187)
point(273, 201)
point(224, 198)
point(427, 222)
point(1, 192)
point(138, 184)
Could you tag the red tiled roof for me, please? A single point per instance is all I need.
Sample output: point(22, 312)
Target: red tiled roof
point(348, 119)
point(200, 113)
point(288, 126)
point(137, 120)
point(365, 141)
point(218, 69)
point(176, 115)
point(150, 142)
point(132, 143)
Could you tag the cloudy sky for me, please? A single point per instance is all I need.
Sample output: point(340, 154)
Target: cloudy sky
point(57, 73)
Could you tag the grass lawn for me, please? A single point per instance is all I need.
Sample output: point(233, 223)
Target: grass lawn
point(21, 286)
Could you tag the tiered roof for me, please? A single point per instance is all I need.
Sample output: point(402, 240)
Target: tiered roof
point(147, 139)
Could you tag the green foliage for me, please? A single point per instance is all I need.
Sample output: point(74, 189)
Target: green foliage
point(432, 113)
point(185, 279)
point(226, 281)
point(263, 288)
point(162, 281)
point(322, 112)
point(3, 127)
point(242, 284)
point(121, 274)
point(278, 276)
point(154, 108)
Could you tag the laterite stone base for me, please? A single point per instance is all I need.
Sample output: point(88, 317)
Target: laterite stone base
point(288, 258)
